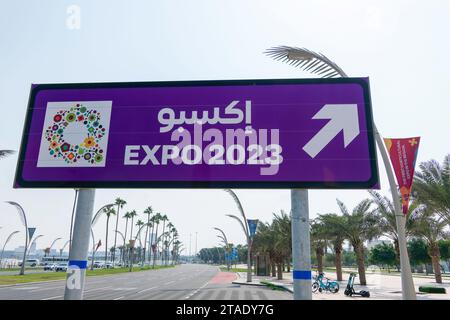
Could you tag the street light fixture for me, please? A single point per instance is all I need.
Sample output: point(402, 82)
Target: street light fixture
point(245, 228)
point(224, 239)
point(319, 64)
point(123, 238)
point(23, 218)
point(27, 251)
point(63, 247)
point(6, 242)
point(53, 243)
point(96, 217)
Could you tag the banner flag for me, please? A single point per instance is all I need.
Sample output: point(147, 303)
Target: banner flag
point(252, 225)
point(403, 154)
point(31, 233)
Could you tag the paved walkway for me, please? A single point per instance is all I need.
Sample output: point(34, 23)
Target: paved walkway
point(380, 286)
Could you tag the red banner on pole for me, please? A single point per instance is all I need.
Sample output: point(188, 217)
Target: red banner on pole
point(403, 154)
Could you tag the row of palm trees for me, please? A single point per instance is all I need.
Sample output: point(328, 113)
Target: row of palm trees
point(428, 219)
point(152, 248)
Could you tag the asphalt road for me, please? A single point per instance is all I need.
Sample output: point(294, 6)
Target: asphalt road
point(184, 282)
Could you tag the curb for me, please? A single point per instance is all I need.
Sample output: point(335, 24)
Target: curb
point(27, 283)
point(283, 286)
point(249, 283)
point(64, 279)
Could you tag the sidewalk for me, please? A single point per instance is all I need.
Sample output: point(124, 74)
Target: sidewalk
point(380, 286)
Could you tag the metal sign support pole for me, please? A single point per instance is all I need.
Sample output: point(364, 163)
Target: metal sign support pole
point(78, 254)
point(408, 289)
point(301, 255)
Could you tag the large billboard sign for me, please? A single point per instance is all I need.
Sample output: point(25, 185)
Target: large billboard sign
point(291, 133)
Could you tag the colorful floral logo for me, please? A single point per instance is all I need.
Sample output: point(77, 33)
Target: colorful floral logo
point(89, 150)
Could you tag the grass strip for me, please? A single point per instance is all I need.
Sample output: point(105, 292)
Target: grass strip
point(51, 275)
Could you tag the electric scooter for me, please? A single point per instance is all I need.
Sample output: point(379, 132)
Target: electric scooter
point(350, 291)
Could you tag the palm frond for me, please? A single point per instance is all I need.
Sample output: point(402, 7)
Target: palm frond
point(342, 207)
point(4, 153)
point(307, 60)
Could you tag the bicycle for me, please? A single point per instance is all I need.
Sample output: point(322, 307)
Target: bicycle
point(320, 285)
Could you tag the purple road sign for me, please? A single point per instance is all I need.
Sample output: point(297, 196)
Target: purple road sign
point(292, 133)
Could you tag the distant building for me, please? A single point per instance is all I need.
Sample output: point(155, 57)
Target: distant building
point(19, 250)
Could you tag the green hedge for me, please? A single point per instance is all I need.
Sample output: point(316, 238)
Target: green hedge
point(432, 289)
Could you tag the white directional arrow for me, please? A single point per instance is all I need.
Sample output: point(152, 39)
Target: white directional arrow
point(342, 117)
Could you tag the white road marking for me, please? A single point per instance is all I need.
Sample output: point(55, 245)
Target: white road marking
point(119, 298)
point(146, 290)
point(51, 298)
point(169, 282)
point(95, 289)
point(195, 291)
point(25, 288)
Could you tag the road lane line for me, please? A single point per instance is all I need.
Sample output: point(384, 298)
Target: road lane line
point(197, 290)
point(51, 298)
point(146, 290)
point(119, 298)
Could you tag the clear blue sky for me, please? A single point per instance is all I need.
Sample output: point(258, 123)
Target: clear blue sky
point(401, 45)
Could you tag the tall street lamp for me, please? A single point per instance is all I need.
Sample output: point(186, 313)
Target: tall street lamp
point(245, 228)
point(224, 239)
point(320, 65)
point(23, 218)
point(63, 247)
point(27, 252)
point(123, 247)
point(6, 242)
point(52, 244)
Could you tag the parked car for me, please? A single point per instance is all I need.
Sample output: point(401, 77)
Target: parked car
point(50, 267)
point(98, 264)
point(61, 267)
point(108, 265)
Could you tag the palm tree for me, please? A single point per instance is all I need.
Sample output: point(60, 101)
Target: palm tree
point(163, 219)
point(336, 238)
point(281, 226)
point(148, 212)
point(119, 203)
point(169, 228)
point(140, 224)
point(358, 226)
point(432, 186)
point(318, 241)
point(157, 217)
point(127, 216)
point(386, 212)
point(263, 245)
point(431, 228)
point(109, 212)
point(132, 215)
point(152, 237)
point(4, 153)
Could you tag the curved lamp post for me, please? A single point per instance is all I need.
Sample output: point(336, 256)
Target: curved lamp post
point(31, 245)
point(6, 242)
point(63, 247)
point(123, 238)
point(245, 228)
point(320, 65)
point(23, 218)
point(97, 216)
point(224, 239)
point(53, 243)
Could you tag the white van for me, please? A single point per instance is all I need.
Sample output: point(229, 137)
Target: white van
point(30, 263)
